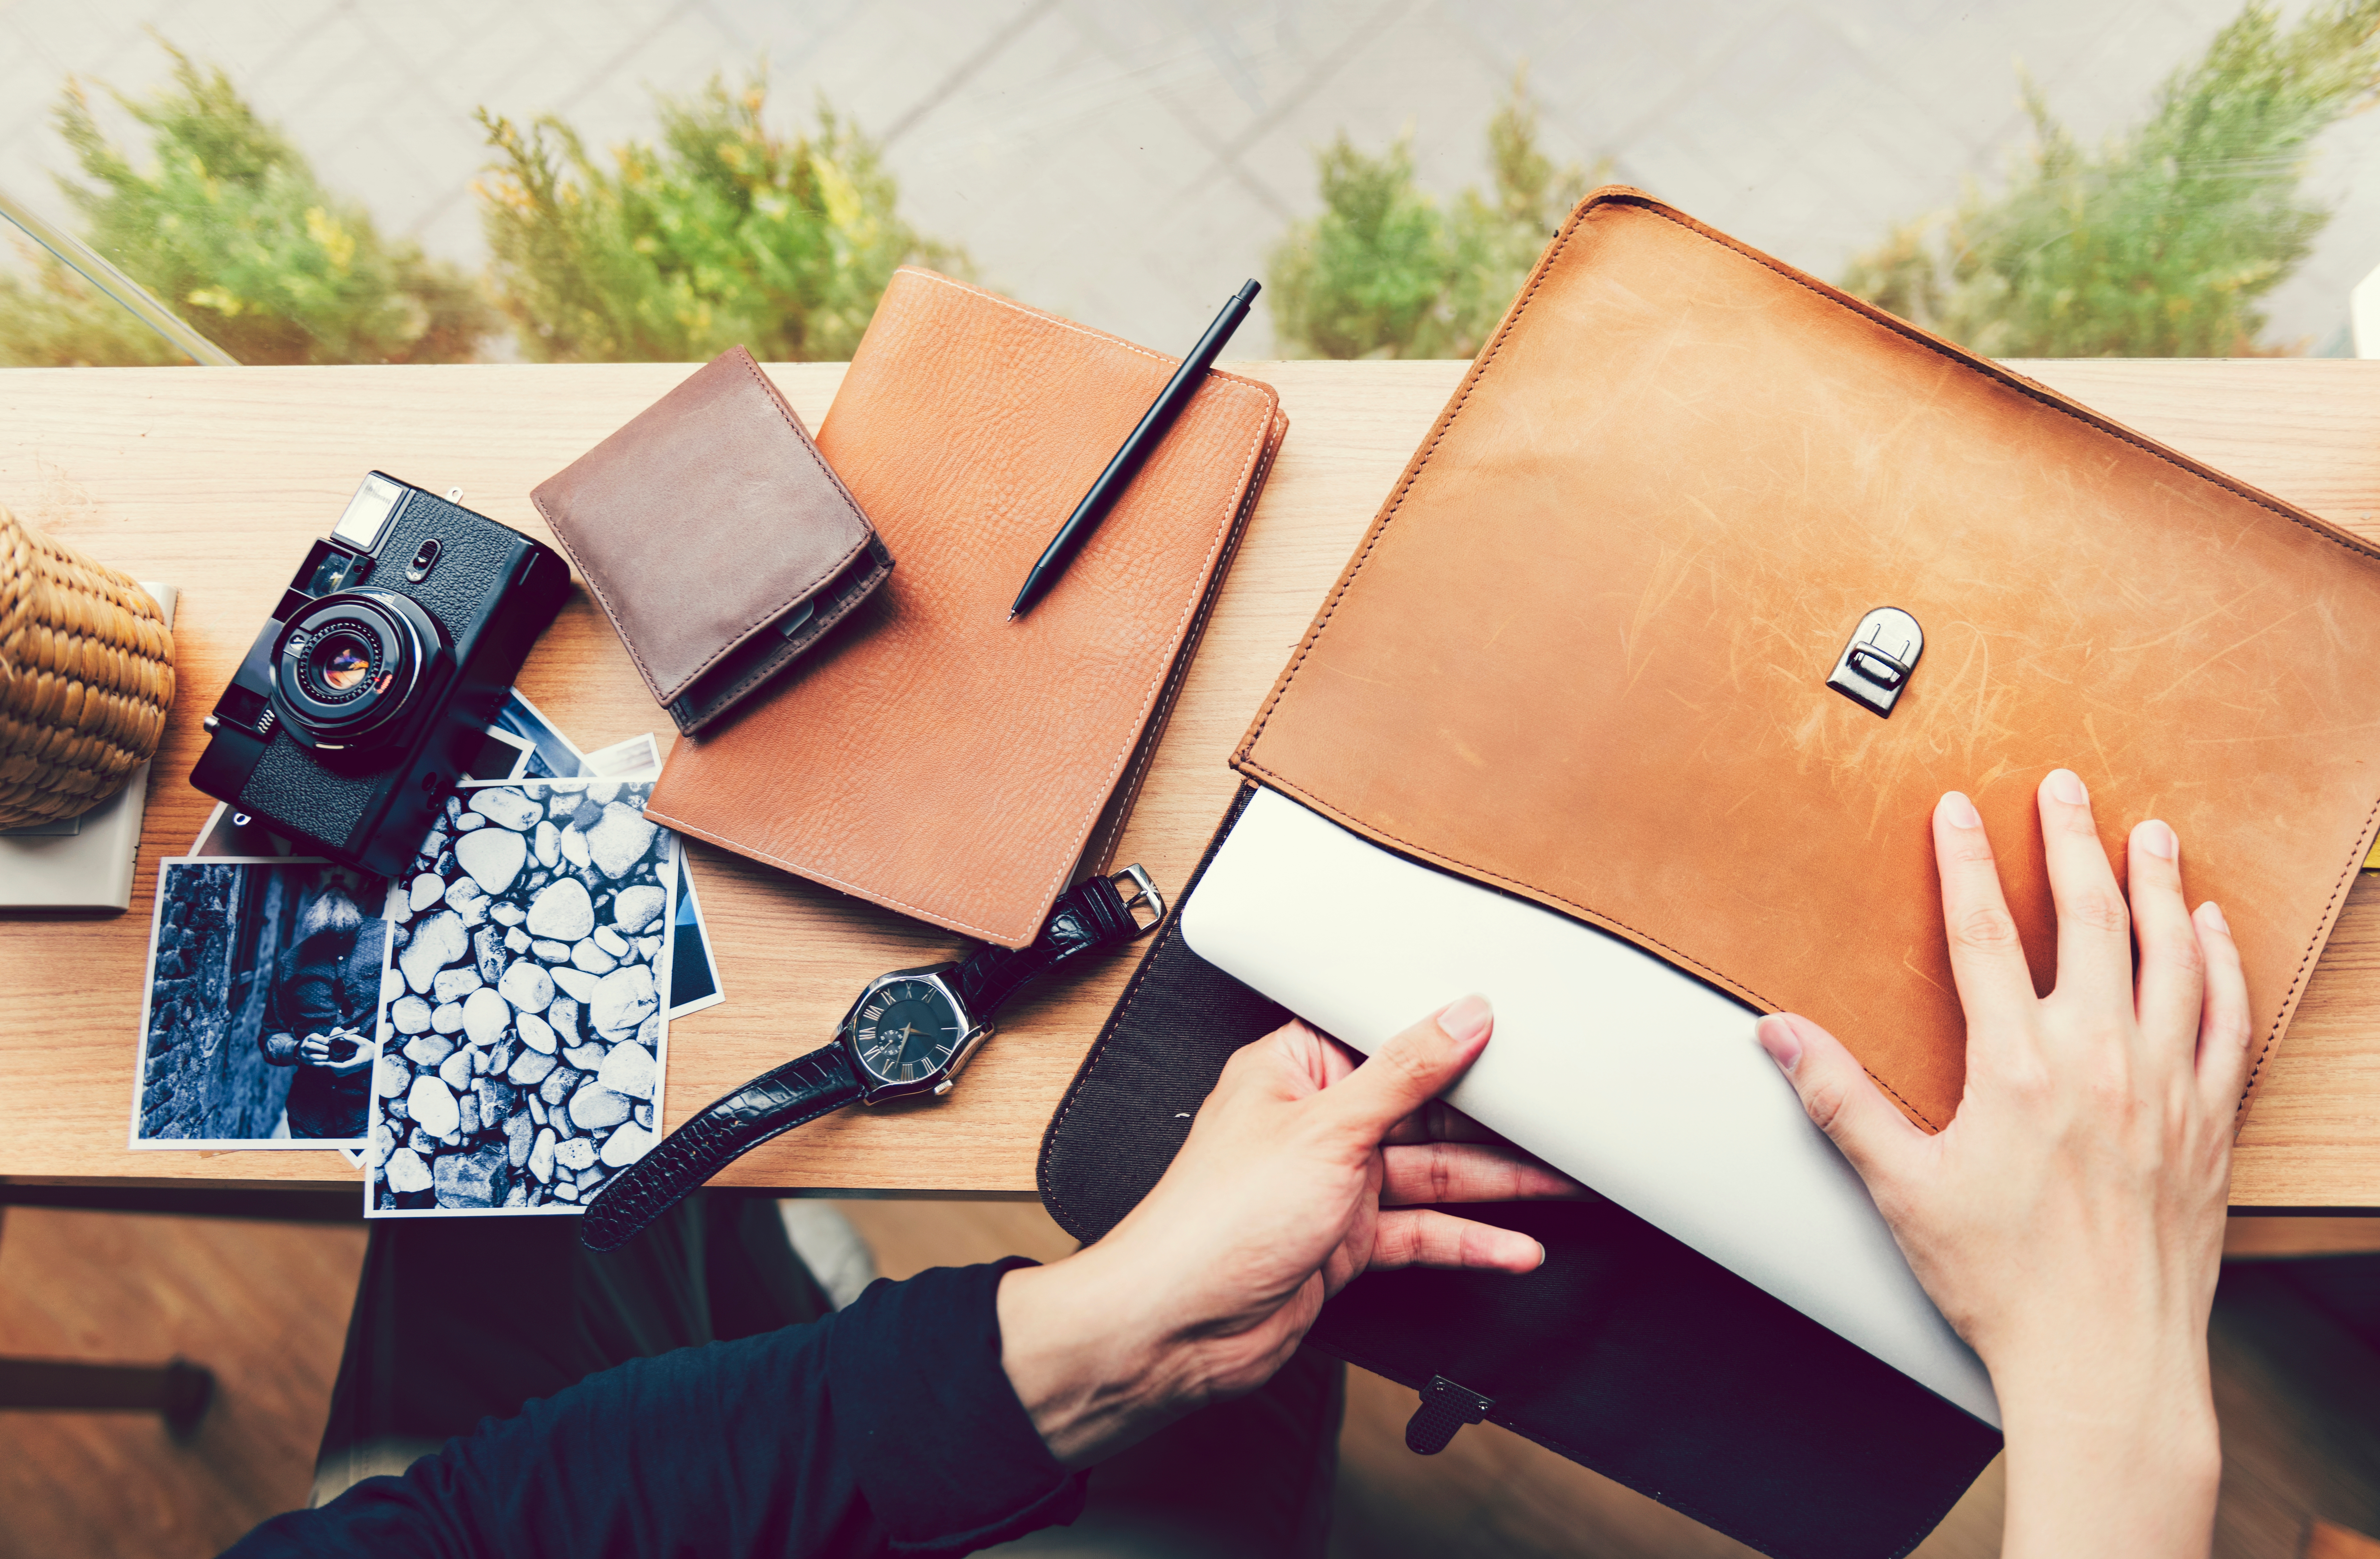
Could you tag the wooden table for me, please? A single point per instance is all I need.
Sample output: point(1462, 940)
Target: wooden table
point(216, 481)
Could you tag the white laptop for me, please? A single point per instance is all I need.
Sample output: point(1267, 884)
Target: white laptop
point(1638, 1080)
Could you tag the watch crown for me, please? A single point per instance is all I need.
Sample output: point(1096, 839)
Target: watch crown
point(941, 1087)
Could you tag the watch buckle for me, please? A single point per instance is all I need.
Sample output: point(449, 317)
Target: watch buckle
point(1138, 894)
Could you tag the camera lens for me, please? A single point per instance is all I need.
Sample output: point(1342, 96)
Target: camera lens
point(340, 660)
point(350, 665)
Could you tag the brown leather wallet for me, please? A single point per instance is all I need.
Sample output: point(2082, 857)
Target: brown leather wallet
point(720, 544)
point(1592, 650)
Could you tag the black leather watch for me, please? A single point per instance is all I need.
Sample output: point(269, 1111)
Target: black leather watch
point(911, 1031)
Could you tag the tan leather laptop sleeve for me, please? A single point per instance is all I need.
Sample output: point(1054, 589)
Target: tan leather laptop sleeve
point(1582, 653)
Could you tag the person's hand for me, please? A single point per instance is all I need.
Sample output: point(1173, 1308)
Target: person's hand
point(1298, 1175)
point(2069, 1222)
point(321, 1050)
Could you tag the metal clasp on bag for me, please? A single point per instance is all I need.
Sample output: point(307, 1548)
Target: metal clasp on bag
point(1138, 894)
point(1874, 666)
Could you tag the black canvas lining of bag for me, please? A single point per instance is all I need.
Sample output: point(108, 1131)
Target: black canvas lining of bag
point(1627, 1352)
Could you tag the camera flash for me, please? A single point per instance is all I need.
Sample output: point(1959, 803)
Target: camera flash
point(368, 511)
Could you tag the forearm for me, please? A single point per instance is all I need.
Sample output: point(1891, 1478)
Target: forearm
point(1091, 1377)
point(2112, 1448)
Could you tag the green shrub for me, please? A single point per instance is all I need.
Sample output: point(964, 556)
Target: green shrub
point(2162, 242)
point(1383, 274)
point(726, 233)
point(231, 229)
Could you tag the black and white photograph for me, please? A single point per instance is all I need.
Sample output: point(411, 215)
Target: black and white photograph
point(694, 978)
point(524, 1055)
point(552, 754)
point(267, 988)
point(503, 755)
point(639, 757)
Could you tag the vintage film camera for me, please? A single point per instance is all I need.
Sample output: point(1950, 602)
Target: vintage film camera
point(375, 679)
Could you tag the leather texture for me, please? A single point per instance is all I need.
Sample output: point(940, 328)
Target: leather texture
point(703, 522)
point(1628, 1351)
point(770, 1104)
point(955, 765)
point(1089, 917)
point(1582, 653)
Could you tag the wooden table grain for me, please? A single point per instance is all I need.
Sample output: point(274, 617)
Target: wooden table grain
point(216, 481)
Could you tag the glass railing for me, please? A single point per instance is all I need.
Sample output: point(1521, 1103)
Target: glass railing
point(92, 299)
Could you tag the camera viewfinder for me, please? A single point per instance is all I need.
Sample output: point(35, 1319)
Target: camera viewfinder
point(330, 569)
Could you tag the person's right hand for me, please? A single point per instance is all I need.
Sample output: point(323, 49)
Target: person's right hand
point(1305, 1166)
point(2069, 1222)
point(316, 1050)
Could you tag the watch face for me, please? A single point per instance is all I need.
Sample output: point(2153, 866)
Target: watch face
point(906, 1030)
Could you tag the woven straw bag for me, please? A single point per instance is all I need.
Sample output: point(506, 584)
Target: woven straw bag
point(86, 677)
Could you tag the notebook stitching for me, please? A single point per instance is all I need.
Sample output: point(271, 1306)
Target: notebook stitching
point(1238, 386)
point(1532, 889)
point(1147, 699)
point(1241, 389)
point(1181, 671)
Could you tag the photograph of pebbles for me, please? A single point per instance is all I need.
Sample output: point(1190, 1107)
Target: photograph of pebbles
point(522, 1064)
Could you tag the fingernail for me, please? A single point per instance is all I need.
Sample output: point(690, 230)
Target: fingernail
point(1467, 1019)
point(2213, 912)
point(2067, 786)
point(1960, 812)
point(1776, 1037)
point(2159, 839)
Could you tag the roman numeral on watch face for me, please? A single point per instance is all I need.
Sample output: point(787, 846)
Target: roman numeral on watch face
point(907, 1032)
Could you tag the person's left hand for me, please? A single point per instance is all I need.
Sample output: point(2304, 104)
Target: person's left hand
point(315, 1050)
point(1300, 1173)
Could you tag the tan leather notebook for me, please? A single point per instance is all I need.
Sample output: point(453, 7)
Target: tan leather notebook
point(1583, 652)
point(936, 757)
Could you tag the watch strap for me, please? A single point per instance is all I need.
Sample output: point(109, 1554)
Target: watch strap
point(775, 1102)
point(1089, 918)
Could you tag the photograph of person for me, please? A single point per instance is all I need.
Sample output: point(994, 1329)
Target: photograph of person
point(264, 998)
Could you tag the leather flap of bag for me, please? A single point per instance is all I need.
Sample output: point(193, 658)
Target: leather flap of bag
point(702, 523)
point(1583, 652)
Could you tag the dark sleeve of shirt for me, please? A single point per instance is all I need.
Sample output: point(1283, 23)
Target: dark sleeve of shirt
point(886, 1428)
point(361, 975)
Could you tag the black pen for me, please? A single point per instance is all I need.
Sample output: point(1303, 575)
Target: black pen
point(1143, 438)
